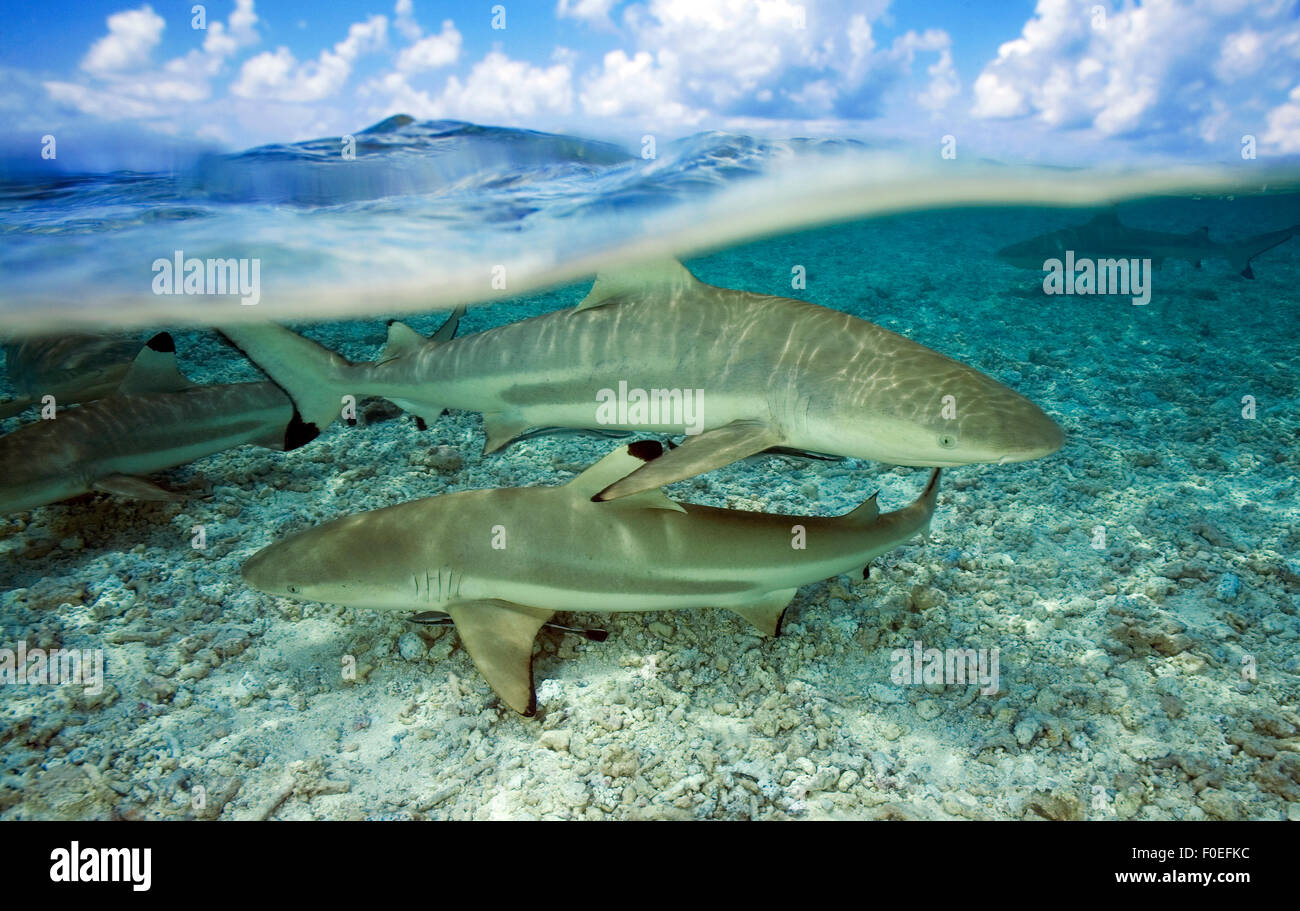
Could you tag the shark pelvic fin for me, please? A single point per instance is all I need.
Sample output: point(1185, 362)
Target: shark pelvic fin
point(766, 613)
point(665, 276)
point(154, 369)
point(711, 449)
point(137, 488)
point(500, 430)
point(499, 638)
point(402, 339)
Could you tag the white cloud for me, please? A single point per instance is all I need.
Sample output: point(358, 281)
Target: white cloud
point(767, 59)
point(1283, 133)
point(132, 35)
point(123, 86)
point(1165, 68)
point(404, 20)
point(501, 89)
point(633, 86)
point(278, 76)
point(589, 10)
point(432, 51)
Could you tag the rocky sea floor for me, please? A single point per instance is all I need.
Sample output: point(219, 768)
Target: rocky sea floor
point(1152, 676)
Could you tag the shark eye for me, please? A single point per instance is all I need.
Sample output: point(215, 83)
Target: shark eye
point(293, 589)
point(948, 440)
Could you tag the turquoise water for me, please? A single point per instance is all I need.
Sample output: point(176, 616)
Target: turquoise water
point(1141, 586)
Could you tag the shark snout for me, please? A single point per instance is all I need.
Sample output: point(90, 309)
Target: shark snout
point(1031, 435)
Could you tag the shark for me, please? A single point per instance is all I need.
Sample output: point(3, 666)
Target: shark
point(72, 368)
point(155, 419)
point(738, 373)
point(501, 562)
point(1104, 237)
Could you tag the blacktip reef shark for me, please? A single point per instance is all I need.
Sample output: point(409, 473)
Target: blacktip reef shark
point(1105, 238)
point(770, 372)
point(560, 549)
point(71, 368)
point(155, 419)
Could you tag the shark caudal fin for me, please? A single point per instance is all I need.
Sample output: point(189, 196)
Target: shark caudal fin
point(310, 374)
point(1241, 252)
point(927, 501)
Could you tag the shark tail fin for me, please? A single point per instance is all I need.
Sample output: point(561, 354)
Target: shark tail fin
point(1242, 252)
point(310, 374)
point(928, 500)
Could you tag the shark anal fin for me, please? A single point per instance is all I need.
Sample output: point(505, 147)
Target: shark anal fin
point(766, 613)
point(711, 449)
point(137, 488)
point(500, 430)
point(499, 638)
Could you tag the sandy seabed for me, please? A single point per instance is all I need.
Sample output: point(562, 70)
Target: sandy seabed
point(1153, 677)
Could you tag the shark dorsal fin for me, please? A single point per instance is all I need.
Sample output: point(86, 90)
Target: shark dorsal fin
point(402, 339)
point(664, 275)
point(154, 369)
point(619, 464)
point(867, 512)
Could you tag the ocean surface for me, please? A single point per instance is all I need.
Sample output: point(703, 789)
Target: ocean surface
point(1140, 587)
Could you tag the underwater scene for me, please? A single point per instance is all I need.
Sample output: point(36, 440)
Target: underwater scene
point(716, 476)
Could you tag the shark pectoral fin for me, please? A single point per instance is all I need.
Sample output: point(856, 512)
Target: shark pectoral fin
point(447, 331)
point(698, 454)
point(665, 275)
point(766, 613)
point(137, 488)
point(154, 369)
point(499, 638)
point(500, 429)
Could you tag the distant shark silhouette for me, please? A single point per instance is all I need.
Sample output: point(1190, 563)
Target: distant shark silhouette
point(155, 419)
point(773, 372)
point(561, 550)
point(72, 368)
point(1105, 238)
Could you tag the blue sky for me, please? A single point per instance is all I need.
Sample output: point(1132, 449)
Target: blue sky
point(1057, 79)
